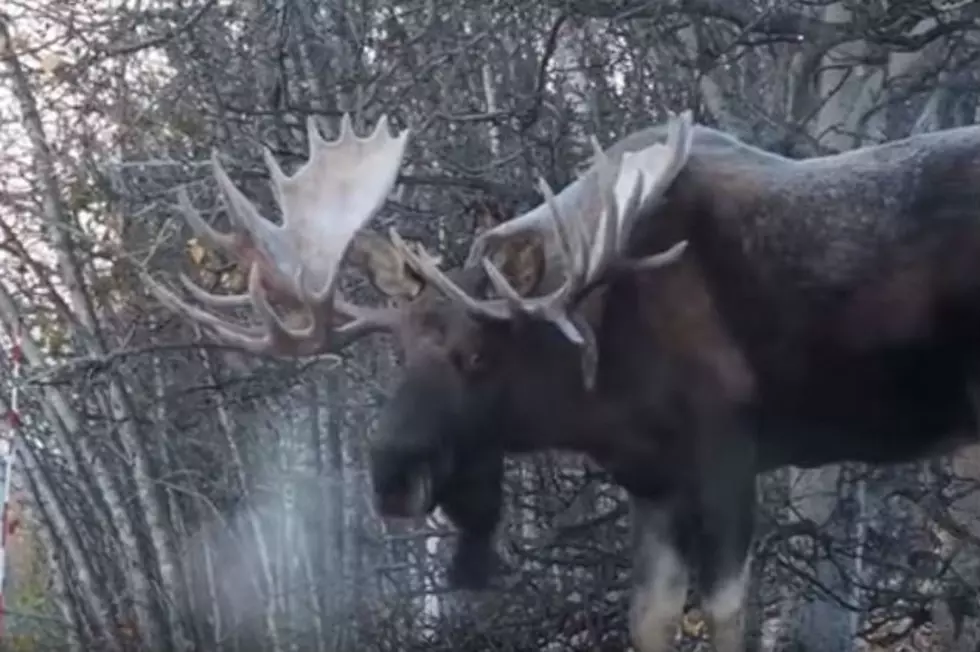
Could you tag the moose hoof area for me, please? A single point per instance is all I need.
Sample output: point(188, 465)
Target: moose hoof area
point(473, 566)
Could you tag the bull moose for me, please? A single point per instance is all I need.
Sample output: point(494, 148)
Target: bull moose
point(689, 312)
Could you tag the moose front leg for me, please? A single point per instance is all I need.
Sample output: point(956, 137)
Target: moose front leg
point(727, 509)
point(660, 576)
point(724, 603)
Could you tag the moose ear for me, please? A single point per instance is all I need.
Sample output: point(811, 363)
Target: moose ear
point(521, 259)
point(386, 267)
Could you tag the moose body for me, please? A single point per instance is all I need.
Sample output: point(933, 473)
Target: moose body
point(689, 312)
point(831, 305)
point(825, 310)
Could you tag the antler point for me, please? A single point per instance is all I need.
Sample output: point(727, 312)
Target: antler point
point(346, 128)
point(272, 165)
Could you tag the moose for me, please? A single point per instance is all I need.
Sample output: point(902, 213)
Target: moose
point(689, 312)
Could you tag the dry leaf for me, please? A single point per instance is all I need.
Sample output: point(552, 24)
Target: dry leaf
point(50, 62)
point(693, 624)
point(196, 250)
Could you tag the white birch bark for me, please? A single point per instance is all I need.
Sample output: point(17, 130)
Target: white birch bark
point(57, 223)
point(61, 575)
point(96, 604)
point(65, 424)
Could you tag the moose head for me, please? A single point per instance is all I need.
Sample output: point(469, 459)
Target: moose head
point(490, 352)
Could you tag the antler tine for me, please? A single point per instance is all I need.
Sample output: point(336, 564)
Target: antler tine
point(620, 191)
point(624, 192)
point(627, 191)
point(428, 270)
point(236, 335)
point(658, 164)
point(202, 229)
point(324, 204)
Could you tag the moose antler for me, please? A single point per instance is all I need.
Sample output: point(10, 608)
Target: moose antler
point(582, 190)
point(327, 202)
point(324, 204)
point(615, 194)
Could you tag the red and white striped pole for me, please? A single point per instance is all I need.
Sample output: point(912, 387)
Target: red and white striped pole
point(7, 442)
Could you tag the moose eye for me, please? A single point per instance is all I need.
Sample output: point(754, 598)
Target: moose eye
point(470, 362)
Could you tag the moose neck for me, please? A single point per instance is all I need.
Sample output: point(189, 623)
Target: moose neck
point(606, 431)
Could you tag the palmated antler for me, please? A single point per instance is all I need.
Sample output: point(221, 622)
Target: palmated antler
point(327, 202)
point(324, 204)
point(610, 195)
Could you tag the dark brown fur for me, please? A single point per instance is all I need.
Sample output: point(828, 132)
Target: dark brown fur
point(826, 310)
